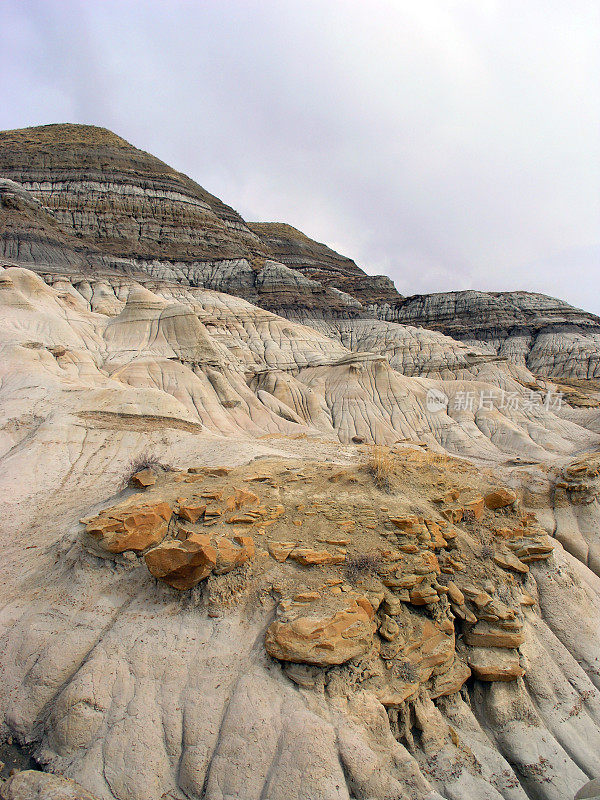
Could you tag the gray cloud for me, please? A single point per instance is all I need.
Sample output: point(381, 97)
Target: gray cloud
point(448, 143)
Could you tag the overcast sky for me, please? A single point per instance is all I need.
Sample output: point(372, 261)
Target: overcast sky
point(450, 145)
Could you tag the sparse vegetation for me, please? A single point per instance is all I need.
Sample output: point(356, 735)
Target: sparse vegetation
point(405, 671)
point(140, 463)
point(362, 566)
point(487, 551)
point(381, 467)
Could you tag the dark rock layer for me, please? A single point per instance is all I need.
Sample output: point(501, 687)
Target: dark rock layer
point(79, 199)
point(320, 263)
point(110, 194)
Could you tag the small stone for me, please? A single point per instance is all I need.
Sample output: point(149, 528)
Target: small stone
point(388, 628)
point(144, 478)
point(306, 597)
point(309, 557)
point(189, 510)
point(455, 594)
point(507, 560)
point(281, 550)
point(500, 498)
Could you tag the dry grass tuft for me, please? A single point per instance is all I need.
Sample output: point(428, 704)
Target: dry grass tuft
point(142, 462)
point(381, 467)
point(362, 566)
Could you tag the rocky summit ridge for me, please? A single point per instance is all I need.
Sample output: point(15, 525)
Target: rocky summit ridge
point(269, 529)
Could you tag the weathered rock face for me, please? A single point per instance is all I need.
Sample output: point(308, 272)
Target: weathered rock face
point(80, 200)
point(549, 336)
point(319, 263)
point(76, 198)
point(120, 199)
point(379, 594)
point(32, 785)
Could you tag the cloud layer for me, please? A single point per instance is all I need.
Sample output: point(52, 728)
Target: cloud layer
point(450, 144)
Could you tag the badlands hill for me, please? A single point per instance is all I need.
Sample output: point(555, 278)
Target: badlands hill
point(269, 529)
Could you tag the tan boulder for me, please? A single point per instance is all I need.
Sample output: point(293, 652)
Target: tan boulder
point(190, 510)
point(130, 526)
point(247, 517)
point(411, 525)
point(507, 560)
point(423, 595)
point(396, 696)
point(462, 612)
point(143, 479)
point(182, 564)
point(527, 599)
point(241, 498)
point(476, 595)
point(475, 507)
point(232, 554)
point(335, 541)
point(454, 515)
point(306, 597)
point(500, 498)
point(212, 472)
point(281, 550)
point(455, 594)
point(388, 628)
point(534, 548)
point(429, 563)
point(397, 580)
point(391, 604)
point(451, 680)
point(494, 664)
point(438, 540)
point(366, 605)
point(322, 637)
point(429, 647)
point(408, 548)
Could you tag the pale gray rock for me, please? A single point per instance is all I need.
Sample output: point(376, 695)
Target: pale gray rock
point(32, 785)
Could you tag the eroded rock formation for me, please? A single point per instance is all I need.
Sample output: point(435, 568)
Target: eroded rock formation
point(317, 554)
